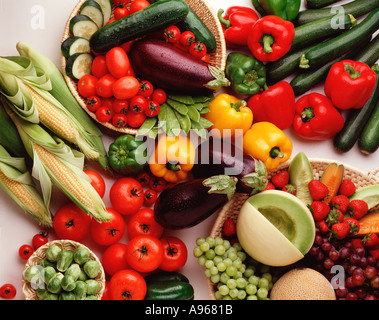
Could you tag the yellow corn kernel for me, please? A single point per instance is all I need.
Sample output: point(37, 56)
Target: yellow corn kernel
point(51, 117)
point(64, 175)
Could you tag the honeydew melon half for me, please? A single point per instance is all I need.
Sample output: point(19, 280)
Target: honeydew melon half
point(275, 228)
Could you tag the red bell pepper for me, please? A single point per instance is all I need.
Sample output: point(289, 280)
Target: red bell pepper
point(276, 104)
point(270, 38)
point(316, 118)
point(237, 23)
point(349, 84)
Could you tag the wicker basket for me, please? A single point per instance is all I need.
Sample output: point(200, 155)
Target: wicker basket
point(217, 58)
point(40, 253)
point(232, 208)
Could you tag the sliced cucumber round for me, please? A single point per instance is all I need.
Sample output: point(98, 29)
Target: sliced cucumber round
point(83, 26)
point(92, 9)
point(74, 45)
point(78, 65)
point(106, 7)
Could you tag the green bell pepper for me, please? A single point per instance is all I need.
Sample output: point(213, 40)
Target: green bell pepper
point(127, 155)
point(286, 9)
point(246, 74)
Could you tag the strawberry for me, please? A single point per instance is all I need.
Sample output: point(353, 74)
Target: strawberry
point(347, 188)
point(354, 225)
point(270, 186)
point(340, 202)
point(371, 241)
point(374, 253)
point(290, 188)
point(280, 179)
point(317, 189)
point(334, 216)
point(319, 210)
point(357, 208)
point(229, 228)
point(340, 230)
point(324, 228)
point(357, 243)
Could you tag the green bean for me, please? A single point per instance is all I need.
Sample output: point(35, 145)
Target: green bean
point(81, 255)
point(64, 260)
point(52, 253)
point(91, 268)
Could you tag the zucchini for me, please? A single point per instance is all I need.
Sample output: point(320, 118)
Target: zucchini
point(74, 45)
point(371, 53)
point(368, 141)
point(331, 49)
point(356, 8)
point(316, 4)
point(106, 8)
point(82, 26)
point(192, 22)
point(355, 123)
point(78, 65)
point(92, 9)
point(317, 30)
point(165, 276)
point(152, 18)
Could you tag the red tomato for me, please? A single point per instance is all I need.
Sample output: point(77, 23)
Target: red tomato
point(118, 62)
point(111, 20)
point(152, 109)
point(126, 196)
point(187, 38)
point(117, 2)
point(93, 103)
point(146, 88)
point(97, 181)
point(150, 197)
point(107, 293)
point(126, 87)
point(119, 120)
point(39, 240)
point(127, 285)
point(175, 254)
point(104, 86)
point(107, 102)
point(138, 5)
point(206, 58)
point(114, 258)
point(120, 106)
point(143, 178)
point(171, 34)
point(138, 104)
point(127, 46)
point(72, 223)
point(144, 253)
point(110, 232)
point(158, 184)
point(159, 96)
point(25, 251)
point(121, 11)
point(198, 49)
point(104, 114)
point(143, 223)
point(135, 119)
point(99, 66)
point(8, 291)
point(87, 85)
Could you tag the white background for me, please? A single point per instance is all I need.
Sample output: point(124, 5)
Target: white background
point(16, 228)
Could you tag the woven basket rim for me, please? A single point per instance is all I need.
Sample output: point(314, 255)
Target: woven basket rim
point(368, 176)
point(221, 47)
point(30, 293)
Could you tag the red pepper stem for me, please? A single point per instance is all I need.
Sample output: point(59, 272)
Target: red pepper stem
point(275, 152)
point(351, 71)
point(307, 114)
point(226, 23)
point(265, 87)
point(267, 41)
point(238, 105)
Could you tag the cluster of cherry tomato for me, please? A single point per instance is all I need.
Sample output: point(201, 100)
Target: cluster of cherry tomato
point(146, 250)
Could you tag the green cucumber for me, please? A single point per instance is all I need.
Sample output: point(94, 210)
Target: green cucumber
point(370, 54)
point(331, 49)
point(314, 31)
point(165, 276)
point(92, 9)
point(356, 122)
point(74, 45)
point(78, 65)
point(356, 8)
point(82, 26)
point(316, 4)
point(152, 18)
point(192, 22)
point(169, 291)
point(106, 8)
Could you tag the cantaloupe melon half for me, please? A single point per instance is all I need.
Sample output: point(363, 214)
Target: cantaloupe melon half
point(275, 228)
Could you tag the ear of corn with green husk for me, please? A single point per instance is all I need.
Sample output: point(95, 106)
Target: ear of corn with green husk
point(28, 88)
point(61, 92)
point(17, 182)
point(56, 163)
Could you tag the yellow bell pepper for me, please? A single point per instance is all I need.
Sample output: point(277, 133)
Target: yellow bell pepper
point(173, 158)
point(266, 142)
point(228, 113)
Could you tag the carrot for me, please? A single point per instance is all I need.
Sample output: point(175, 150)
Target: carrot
point(332, 177)
point(369, 224)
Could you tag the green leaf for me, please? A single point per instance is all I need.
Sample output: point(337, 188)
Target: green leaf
point(221, 184)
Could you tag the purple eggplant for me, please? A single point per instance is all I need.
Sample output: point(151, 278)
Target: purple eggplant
point(213, 157)
point(186, 204)
point(169, 67)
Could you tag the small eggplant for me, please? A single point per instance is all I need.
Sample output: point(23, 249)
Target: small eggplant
point(214, 158)
point(188, 203)
point(171, 68)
